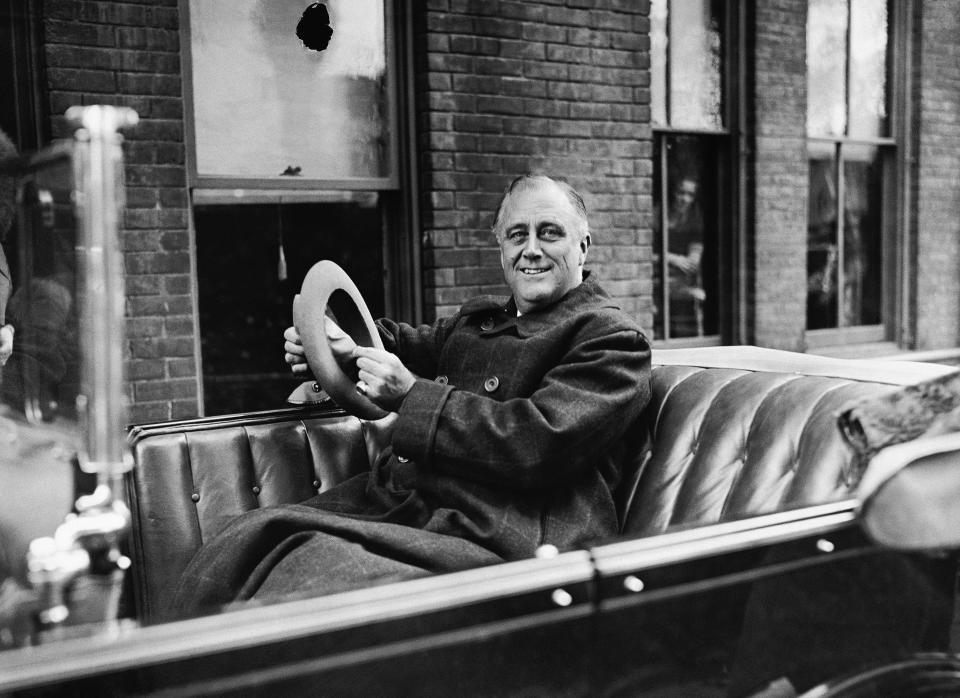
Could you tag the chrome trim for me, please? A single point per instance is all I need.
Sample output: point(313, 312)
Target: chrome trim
point(683, 546)
point(761, 359)
point(133, 647)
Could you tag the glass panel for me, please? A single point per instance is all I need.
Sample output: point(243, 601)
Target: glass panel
point(862, 234)
point(868, 68)
point(826, 67)
point(246, 293)
point(696, 64)
point(658, 62)
point(822, 250)
point(41, 378)
point(692, 195)
point(40, 433)
point(267, 106)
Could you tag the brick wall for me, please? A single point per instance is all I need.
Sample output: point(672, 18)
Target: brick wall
point(777, 102)
point(937, 192)
point(509, 87)
point(127, 53)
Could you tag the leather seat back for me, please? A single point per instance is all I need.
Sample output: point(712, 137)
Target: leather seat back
point(733, 431)
point(193, 477)
point(730, 443)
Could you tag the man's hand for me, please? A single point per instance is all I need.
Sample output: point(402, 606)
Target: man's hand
point(341, 345)
point(6, 343)
point(293, 351)
point(384, 380)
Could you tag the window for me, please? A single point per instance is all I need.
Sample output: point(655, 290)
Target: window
point(296, 157)
point(851, 155)
point(691, 161)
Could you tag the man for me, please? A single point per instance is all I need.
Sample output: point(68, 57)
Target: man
point(512, 418)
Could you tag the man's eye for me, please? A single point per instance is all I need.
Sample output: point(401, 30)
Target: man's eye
point(516, 235)
point(551, 233)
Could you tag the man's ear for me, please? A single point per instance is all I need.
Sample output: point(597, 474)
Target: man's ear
point(584, 246)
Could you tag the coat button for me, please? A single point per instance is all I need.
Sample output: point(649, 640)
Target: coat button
point(316, 484)
point(195, 497)
point(487, 324)
point(441, 379)
point(256, 489)
point(491, 384)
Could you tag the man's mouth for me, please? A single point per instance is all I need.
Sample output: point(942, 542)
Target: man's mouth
point(529, 271)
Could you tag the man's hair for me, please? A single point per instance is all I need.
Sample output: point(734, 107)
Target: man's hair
point(526, 181)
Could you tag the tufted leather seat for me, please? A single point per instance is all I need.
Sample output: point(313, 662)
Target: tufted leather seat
point(735, 431)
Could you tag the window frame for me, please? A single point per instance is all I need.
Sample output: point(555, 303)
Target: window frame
point(895, 280)
point(731, 154)
point(203, 182)
point(403, 295)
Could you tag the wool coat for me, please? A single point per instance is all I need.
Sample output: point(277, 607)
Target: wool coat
point(512, 437)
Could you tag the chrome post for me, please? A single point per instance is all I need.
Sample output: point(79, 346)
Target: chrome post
point(78, 573)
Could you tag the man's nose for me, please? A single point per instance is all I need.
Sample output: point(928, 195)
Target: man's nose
point(532, 248)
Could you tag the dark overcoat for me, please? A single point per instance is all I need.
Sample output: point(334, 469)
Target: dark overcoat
point(512, 437)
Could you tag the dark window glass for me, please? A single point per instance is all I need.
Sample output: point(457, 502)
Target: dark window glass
point(685, 224)
point(847, 66)
point(251, 262)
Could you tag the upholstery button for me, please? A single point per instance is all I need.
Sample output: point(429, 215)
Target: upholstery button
point(316, 484)
point(441, 379)
point(316, 387)
point(402, 459)
point(561, 597)
point(256, 489)
point(487, 324)
point(195, 497)
point(491, 384)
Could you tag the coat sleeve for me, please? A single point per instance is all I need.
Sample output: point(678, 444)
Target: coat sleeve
point(583, 405)
point(417, 347)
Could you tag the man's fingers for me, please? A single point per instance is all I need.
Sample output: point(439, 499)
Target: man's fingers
point(380, 356)
point(292, 348)
point(291, 335)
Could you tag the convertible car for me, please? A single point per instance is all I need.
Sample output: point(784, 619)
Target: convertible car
point(768, 546)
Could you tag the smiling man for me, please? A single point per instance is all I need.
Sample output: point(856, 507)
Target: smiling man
point(544, 237)
point(512, 420)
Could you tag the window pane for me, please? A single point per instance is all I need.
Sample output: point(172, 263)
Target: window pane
point(265, 105)
point(826, 68)
point(244, 302)
point(862, 234)
point(868, 68)
point(691, 195)
point(822, 250)
point(42, 376)
point(658, 62)
point(696, 64)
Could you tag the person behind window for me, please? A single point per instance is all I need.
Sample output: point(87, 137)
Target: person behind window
point(512, 417)
point(684, 256)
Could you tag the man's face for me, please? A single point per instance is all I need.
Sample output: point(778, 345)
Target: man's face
point(541, 248)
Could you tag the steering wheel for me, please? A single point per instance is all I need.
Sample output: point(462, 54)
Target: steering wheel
point(326, 284)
